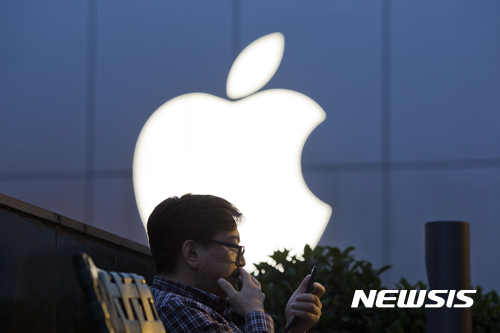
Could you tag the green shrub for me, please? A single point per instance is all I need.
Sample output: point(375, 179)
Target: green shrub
point(342, 274)
point(486, 311)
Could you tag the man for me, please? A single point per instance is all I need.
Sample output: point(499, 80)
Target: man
point(194, 240)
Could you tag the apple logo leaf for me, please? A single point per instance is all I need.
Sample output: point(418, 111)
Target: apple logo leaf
point(255, 66)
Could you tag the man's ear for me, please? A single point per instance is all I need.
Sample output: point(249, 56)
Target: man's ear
point(190, 253)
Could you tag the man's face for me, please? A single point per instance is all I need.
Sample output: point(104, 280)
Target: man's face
point(220, 261)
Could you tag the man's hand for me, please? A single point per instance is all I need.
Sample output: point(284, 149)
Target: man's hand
point(307, 307)
point(250, 298)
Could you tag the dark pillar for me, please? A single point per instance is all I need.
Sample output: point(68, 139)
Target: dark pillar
point(448, 268)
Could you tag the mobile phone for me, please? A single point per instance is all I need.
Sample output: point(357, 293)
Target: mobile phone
point(308, 290)
point(311, 280)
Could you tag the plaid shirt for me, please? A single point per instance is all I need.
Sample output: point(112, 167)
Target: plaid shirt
point(186, 309)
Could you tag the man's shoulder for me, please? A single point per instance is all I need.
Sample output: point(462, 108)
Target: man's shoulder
point(164, 292)
point(174, 296)
point(167, 301)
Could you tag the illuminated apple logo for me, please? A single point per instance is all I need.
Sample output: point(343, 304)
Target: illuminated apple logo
point(247, 151)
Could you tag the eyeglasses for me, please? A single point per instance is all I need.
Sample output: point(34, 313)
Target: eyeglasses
point(241, 249)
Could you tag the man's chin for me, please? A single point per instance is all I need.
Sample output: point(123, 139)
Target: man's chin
point(234, 282)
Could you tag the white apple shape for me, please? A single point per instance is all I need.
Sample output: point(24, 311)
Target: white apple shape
point(247, 151)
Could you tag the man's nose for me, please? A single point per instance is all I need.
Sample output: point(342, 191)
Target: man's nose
point(242, 262)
